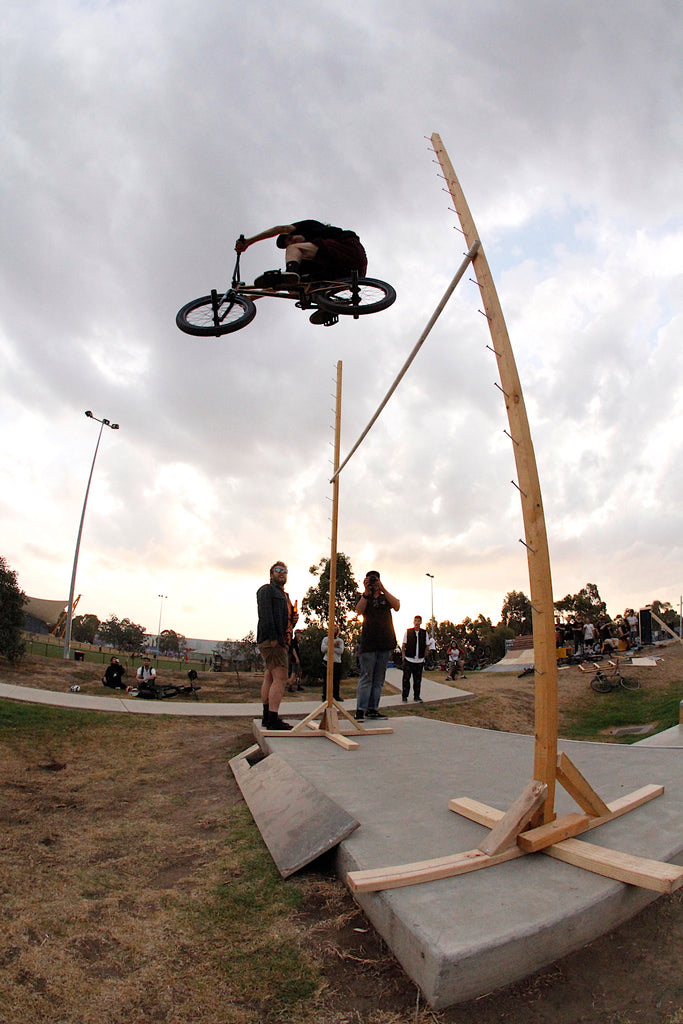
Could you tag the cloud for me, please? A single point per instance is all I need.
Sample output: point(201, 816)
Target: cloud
point(142, 139)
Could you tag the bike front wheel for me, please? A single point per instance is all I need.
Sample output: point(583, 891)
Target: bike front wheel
point(600, 683)
point(349, 298)
point(214, 315)
point(629, 683)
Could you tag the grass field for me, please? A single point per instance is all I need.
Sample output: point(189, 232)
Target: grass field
point(135, 888)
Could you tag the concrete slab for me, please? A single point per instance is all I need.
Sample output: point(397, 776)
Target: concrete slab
point(668, 738)
point(297, 821)
point(462, 937)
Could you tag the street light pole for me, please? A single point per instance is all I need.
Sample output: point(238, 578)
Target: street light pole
point(163, 597)
point(431, 583)
point(70, 607)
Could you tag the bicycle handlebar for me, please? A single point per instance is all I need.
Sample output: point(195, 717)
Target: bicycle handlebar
point(236, 271)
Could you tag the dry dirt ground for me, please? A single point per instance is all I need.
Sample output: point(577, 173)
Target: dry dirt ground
point(118, 837)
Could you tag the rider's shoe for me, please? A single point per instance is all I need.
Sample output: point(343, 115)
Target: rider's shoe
point(276, 279)
point(321, 316)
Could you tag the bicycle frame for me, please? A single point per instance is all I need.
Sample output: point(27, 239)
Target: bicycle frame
point(304, 293)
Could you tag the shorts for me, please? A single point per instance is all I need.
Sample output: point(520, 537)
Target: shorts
point(337, 257)
point(274, 657)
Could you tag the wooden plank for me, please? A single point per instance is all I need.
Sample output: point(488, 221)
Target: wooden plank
point(545, 835)
point(640, 870)
point(330, 719)
point(504, 833)
point(486, 815)
point(297, 821)
point(374, 879)
point(624, 867)
point(483, 814)
point(340, 739)
point(578, 787)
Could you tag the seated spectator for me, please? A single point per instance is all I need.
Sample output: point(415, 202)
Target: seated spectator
point(607, 643)
point(146, 679)
point(113, 676)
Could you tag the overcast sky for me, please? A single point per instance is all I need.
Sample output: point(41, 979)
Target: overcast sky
point(141, 138)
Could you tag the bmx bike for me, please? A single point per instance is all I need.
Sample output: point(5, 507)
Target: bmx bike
point(223, 313)
point(153, 691)
point(605, 682)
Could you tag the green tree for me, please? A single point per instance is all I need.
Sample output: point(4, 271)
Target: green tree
point(12, 601)
point(122, 634)
point(315, 605)
point(84, 628)
point(444, 632)
point(171, 642)
point(586, 606)
point(516, 613)
point(666, 612)
point(310, 654)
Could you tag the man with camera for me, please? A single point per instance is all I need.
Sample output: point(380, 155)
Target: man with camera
point(377, 643)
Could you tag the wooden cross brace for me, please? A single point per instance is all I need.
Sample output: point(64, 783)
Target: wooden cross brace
point(327, 726)
point(510, 837)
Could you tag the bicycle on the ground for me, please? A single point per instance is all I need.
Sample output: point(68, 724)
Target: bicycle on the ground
point(222, 313)
point(152, 690)
point(605, 682)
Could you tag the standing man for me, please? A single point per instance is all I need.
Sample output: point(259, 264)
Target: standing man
point(276, 619)
point(377, 643)
point(413, 650)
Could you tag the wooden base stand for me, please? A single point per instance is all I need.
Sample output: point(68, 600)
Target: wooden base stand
point(511, 837)
point(324, 721)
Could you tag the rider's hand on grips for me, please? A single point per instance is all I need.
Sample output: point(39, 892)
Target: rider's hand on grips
point(241, 244)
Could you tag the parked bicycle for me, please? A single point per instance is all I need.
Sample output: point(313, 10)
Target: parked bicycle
point(223, 313)
point(605, 682)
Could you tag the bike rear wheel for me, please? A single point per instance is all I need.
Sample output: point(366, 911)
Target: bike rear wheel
point(629, 683)
point(214, 315)
point(349, 298)
point(600, 683)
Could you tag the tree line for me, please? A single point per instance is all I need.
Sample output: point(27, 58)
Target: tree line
point(483, 639)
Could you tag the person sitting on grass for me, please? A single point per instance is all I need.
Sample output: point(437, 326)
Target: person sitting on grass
point(113, 676)
point(146, 679)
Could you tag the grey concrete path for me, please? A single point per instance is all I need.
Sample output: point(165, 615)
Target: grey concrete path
point(289, 709)
point(668, 738)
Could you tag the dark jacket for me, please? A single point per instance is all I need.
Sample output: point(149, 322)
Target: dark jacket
point(273, 614)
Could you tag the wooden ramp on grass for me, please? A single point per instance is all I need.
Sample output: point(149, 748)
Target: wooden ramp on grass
point(298, 822)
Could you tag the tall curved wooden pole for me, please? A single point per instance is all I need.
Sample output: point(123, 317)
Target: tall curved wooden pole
point(536, 541)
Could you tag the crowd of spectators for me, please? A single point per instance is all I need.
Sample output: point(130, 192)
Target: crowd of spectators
point(602, 636)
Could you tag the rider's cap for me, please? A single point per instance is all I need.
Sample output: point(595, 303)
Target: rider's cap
point(281, 241)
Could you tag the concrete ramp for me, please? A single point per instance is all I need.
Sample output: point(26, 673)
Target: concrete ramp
point(461, 937)
point(297, 821)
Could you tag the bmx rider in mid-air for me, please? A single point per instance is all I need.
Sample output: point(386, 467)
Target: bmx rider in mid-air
point(313, 252)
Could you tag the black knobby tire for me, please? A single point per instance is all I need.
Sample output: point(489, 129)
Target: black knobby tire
point(214, 315)
point(368, 295)
point(629, 683)
point(600, 683)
